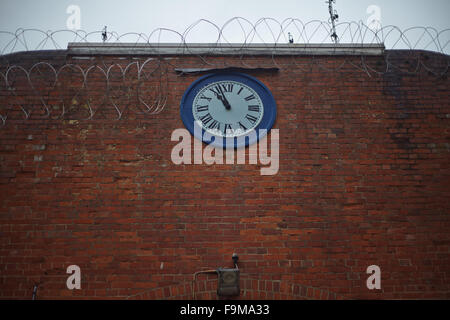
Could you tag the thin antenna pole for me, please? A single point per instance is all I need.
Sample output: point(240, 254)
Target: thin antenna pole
point(333, 17)
point(34, 292)
point(104, 34)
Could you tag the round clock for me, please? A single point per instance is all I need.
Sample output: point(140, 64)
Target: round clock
point(221, 107)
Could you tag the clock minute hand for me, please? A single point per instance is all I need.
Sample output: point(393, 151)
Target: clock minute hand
point(225, 101)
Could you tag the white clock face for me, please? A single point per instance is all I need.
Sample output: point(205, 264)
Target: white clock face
point(227, 108)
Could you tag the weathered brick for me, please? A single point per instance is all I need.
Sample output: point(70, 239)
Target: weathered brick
point(363, 179)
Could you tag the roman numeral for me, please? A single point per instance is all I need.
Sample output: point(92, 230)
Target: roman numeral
point(214, 125)
point(206, 118)
point(251, 118)
point(216, 90)
point(242, 126)
point(242, 88)
point(227, 87)
point(250, 97)
point(253, 108)
point(204, 97)
point(202, 108)
point(227, 127)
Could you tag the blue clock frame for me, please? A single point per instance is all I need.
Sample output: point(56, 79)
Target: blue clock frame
point(267, 121)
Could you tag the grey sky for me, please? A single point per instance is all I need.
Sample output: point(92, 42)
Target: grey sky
point(145, 16)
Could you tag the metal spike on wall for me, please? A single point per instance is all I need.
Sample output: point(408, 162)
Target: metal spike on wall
point(104, 34)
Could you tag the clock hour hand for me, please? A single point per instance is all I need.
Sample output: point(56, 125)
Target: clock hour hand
point(226, 103)
point(222, 98)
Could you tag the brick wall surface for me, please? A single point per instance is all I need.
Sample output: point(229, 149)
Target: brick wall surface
point(363, 180)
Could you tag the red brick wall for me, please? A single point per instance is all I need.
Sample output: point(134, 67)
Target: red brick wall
point(363, 179)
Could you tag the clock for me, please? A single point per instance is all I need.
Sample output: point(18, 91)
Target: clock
point(228, 108)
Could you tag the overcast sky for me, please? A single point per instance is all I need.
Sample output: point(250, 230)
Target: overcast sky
point(145, 16)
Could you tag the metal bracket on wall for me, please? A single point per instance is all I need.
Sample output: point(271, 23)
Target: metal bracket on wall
point(188, 71)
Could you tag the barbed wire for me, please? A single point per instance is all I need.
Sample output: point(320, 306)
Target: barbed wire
point(240, 30)
point(70, 89)
point(67, 92)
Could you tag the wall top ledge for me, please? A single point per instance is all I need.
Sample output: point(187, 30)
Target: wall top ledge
point(137, 49)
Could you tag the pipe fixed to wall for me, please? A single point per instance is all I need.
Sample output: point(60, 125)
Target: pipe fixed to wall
point(228, 279)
